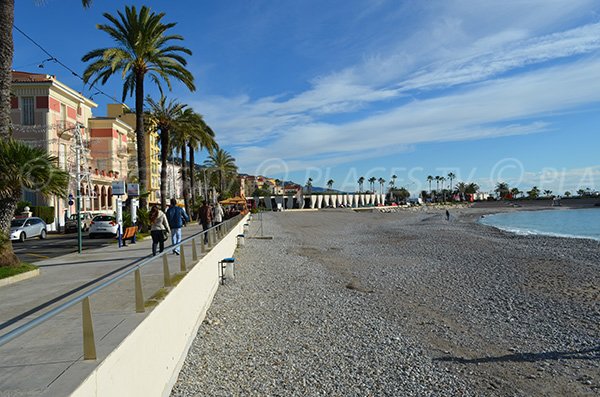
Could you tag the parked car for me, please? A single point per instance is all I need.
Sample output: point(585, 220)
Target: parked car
point(103, 225)
point(86, 222)
point(24, 228)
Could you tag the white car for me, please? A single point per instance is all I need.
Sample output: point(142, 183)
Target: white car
point(103, 225)
point(24, 228)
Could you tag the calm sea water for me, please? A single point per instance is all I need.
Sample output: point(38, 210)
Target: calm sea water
point(581, 223)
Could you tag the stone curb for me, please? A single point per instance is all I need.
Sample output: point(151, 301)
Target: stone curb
point(19, 277)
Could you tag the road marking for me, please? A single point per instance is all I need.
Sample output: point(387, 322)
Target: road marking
point(39, 256)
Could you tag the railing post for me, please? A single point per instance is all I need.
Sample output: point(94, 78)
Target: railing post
point(182, 266)
point(89, 344)
point(194, 252)
point(139, 293)
point(166, 273)
point(202, 245)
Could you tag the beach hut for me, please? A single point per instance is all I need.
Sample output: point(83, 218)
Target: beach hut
point(313, 201)
point(319, 201)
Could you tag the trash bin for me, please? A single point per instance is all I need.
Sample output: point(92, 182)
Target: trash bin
point(241, 240)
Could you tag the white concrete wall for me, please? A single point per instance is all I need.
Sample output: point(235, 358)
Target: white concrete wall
point(148, 361)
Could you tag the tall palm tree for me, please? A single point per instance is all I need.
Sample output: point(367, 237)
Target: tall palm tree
point(381, 184)
point(224, 163)
point(502, 189)
point(429, 179)
point(330, 184)
point(165, 116)
point(451, 176)
point(204, 138)
point(190, 128)
point(372, 181)
point(360, 181)
point(24, 167)
point(437, 183)
point(309, 185)
point(7, 16)
point(393, 181)
point(142, 47)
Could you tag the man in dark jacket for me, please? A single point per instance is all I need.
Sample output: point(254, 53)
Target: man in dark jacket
point(205, 218)
point(176, 216)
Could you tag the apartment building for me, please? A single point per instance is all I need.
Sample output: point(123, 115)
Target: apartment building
point(46, 113)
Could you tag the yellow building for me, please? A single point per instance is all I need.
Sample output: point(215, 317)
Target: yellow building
point(119, 111)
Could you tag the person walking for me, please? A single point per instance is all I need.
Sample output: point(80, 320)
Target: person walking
point(205, 218)
point(159, 225)
point(176, 216)
point(218, 215)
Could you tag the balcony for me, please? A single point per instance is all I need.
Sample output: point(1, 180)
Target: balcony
point(122, 151)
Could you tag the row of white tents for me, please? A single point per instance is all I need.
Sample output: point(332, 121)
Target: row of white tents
point(324, 201)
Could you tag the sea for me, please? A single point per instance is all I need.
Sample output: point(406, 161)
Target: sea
point(574, 223)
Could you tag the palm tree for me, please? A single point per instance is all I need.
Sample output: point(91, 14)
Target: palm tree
point(393, 181)
point(372, 181)
point(567, 194)
point(204, 138)
point(222, 162)
point(547, 192)
point(143, 47)
point(534, 192)
point(429, 179)
point(381, 184)
point(24, 167)
point(472, 188)
point(165, 117)
point(515, 192)
point(451, 176)
point(502, 189)
point(330, 184)
point(461, 187)
point(309, 185)
point(7, 16)
point(437, 183)
point(190, 131)
point(361, 181)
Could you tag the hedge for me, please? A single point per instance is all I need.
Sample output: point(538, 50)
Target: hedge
point(46, 213)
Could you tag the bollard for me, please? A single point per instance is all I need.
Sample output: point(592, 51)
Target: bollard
point(139, 293)
point(225, 269)
point(240, 241)
point(194, 252)
point(89, 344)
point(166, 273)
point(246, 228)
point(182, 266)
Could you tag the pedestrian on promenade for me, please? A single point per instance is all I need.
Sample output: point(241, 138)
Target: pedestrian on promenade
point(447, 215)
point(159, 226)
point(176, 216)
point(205, 218)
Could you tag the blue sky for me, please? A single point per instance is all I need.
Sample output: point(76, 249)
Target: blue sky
point(490, 90)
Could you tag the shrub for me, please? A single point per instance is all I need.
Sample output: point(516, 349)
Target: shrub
point(46, 213)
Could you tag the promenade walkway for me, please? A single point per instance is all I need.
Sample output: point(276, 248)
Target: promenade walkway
point(48, 360)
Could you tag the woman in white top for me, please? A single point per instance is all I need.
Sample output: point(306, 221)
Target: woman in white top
point(159, 225)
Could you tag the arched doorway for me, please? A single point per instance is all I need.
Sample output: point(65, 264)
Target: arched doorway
point(103, 198)
point(96, 200)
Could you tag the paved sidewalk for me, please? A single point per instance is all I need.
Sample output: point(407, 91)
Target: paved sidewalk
point(48, 360)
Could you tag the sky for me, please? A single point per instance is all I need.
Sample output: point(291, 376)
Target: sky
point(492, 91)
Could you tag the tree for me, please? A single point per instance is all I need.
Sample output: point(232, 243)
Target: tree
point(24, 167)
point(533, 193)
point(451, 176)
point(143, 47)
point(547, 193)
point(166, 118)
point(204, 138)
point(502, 189)
point(330, 184)
point(309, 185)
point(437, 183)
point(393, 181)
point(515, 192)
point(372, 181)
point(381, 184)
point(429, 179)
point(400, 193)
point(361, 181)
point(472, 188)
point(568, 194)
point(224, 164)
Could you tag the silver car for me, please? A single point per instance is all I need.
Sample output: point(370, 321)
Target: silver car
point(24, 228)
point(103, 225)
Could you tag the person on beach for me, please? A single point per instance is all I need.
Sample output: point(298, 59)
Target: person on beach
point(218, 214)
point(176, 216)
point(159, 226)
point(205, 218)
point(447, 215)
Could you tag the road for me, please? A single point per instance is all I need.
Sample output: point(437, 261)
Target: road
point(35, 250)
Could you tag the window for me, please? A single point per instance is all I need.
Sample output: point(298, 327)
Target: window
point(63, 116)
point(62, 156)
point(28, 110)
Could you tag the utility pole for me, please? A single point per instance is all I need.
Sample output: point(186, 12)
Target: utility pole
point(78, 144)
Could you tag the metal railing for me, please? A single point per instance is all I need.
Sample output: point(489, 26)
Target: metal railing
point(214, 234)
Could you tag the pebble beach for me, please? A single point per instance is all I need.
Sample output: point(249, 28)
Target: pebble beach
point(341, 303)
